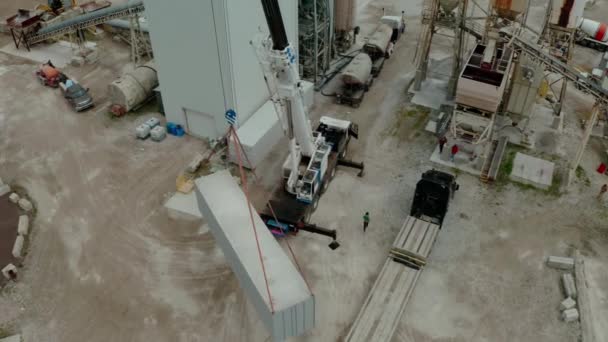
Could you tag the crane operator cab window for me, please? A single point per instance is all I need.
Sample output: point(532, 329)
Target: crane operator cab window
point(308, 187)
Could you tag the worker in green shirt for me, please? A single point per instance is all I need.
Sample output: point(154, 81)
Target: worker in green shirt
point(365, 221)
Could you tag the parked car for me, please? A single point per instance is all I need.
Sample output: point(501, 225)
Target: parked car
point(76, 95)
point(50, 76)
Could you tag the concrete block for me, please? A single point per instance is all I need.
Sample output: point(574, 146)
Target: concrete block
point(570, 315)
point(77, 61)
point(560, 263)
point(567, 304)
point(25, 204)
point(6, 271)
point(195, 163)
point(569, 285)
point(24, 225)
point(4, 189)
point(14, 197)
point(14, 338)
point(533, 171)
point(18, 247)
point(158, 133)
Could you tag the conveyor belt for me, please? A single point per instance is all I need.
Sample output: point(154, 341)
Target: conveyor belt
point(87, 20)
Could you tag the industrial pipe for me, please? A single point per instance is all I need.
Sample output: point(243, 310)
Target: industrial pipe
point(272, 11)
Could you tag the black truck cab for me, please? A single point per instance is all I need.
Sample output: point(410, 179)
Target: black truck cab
point(432, 196)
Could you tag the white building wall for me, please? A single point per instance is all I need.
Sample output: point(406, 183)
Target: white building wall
point(205, 61)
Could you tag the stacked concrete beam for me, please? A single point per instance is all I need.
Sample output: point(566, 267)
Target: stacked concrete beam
point(584, 305)
point(567, 304)
point(6, 271)
point(18, 247)
point(14, 197)
point(570, 315)
point(560, 263)
point(25, 204)
point(569, 285)
point(23, 227)
point(388, 298)
point(225, 208)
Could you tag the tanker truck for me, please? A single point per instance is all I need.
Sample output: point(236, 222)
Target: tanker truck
point(356, 79)
point(592, 34)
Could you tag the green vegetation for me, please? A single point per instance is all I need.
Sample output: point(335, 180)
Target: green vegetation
point(4, 333)
point(506, 167)
point(408, 118)
point(582, 176)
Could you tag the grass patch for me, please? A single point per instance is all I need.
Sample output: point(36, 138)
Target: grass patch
point(411, 112)
point(506, 167)
point(420, 120)
point(555, 188)
point(581, 174)
point(407, 117)
point(4, 333)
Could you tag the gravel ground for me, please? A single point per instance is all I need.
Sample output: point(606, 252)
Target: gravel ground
point(107, 263)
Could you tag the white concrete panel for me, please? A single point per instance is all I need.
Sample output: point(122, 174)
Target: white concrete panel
point(225, 209)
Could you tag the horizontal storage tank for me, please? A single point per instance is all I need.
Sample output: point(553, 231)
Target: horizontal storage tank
point(134, 86)
point(595, 30)
point(379, 40)
point(358, 70)
point(344, 15)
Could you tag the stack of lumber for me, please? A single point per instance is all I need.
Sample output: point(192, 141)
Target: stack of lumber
point(387, 299)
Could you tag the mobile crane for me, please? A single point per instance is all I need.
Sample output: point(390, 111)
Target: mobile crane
point(313, 156)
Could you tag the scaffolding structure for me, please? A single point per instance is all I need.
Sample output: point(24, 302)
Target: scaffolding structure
point(315, 26)
point(438, 14)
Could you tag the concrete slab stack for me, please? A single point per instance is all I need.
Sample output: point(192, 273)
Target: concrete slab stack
point(560, 263)
point(570, 315)
point(225, 208)
point(569, 285)
point(567, 303)
point(388, 298)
